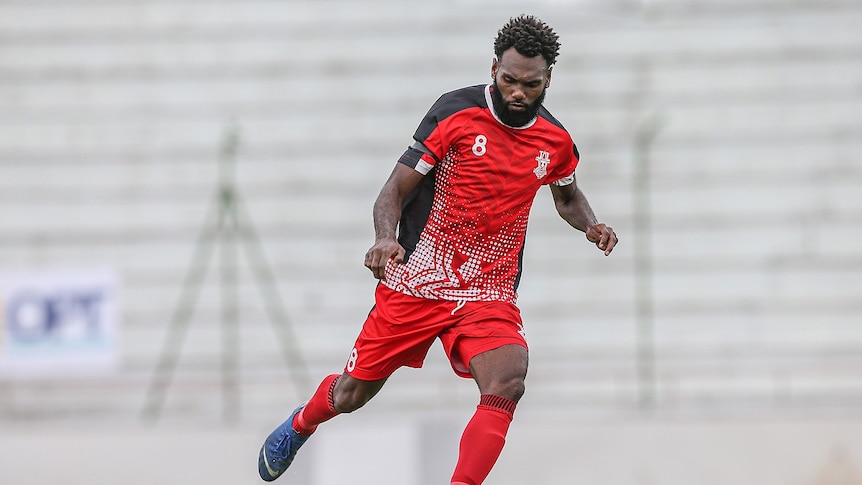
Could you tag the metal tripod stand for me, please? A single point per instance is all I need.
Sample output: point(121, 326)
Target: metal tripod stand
point(228, 224)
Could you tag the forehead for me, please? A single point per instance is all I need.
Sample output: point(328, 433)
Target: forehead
point(513, 64)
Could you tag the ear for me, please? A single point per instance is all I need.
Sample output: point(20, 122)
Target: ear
point(494, 66)
point(548, 77)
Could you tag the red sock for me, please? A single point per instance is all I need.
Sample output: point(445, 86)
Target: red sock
point(318, 409)
point(483, 439)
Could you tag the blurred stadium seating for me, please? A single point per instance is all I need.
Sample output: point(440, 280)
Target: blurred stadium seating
point(113, 113)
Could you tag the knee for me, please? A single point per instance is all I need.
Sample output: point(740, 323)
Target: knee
point(515, 389)
point(512, 388)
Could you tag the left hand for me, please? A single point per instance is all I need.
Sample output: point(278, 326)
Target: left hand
point(603, 236)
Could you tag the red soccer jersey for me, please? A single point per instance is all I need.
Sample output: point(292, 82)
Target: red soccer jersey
point(464, 226)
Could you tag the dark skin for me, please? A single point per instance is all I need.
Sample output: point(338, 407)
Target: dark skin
point(500, 371)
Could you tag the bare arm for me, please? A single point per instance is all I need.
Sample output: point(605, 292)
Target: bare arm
point(387, 213)
point(573, 207)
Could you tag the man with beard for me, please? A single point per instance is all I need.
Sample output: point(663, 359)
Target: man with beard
point(459, 199)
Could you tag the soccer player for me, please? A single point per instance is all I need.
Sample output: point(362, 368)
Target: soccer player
point(459, 198)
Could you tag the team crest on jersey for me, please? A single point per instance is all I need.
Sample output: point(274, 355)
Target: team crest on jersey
point(543, 160)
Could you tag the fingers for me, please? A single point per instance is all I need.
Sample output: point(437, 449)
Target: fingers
point(603, 236)
point(608, 240)
point(376, 262)
point(377, 257)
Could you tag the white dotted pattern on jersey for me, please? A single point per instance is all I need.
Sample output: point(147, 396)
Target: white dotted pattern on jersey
point(466, 251)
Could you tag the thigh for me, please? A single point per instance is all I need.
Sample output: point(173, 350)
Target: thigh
point(501, 371)
point(483, 327)
point(398, 332)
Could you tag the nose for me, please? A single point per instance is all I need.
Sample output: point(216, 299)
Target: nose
point(518, 94)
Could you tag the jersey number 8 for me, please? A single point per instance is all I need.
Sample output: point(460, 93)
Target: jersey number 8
point(479, 147)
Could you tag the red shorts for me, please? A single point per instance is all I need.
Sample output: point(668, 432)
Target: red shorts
point(400, 329)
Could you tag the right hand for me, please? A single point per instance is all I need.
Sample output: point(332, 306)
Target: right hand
point(380, 254)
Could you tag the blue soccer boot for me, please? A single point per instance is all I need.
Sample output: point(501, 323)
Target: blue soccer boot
point(278, 450)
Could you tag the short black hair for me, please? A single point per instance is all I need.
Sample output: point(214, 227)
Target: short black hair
point(530, 37)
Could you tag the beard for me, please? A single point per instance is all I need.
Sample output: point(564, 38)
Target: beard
point(515, 118)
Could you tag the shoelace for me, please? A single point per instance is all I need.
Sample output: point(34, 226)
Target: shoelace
point(282, 451)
